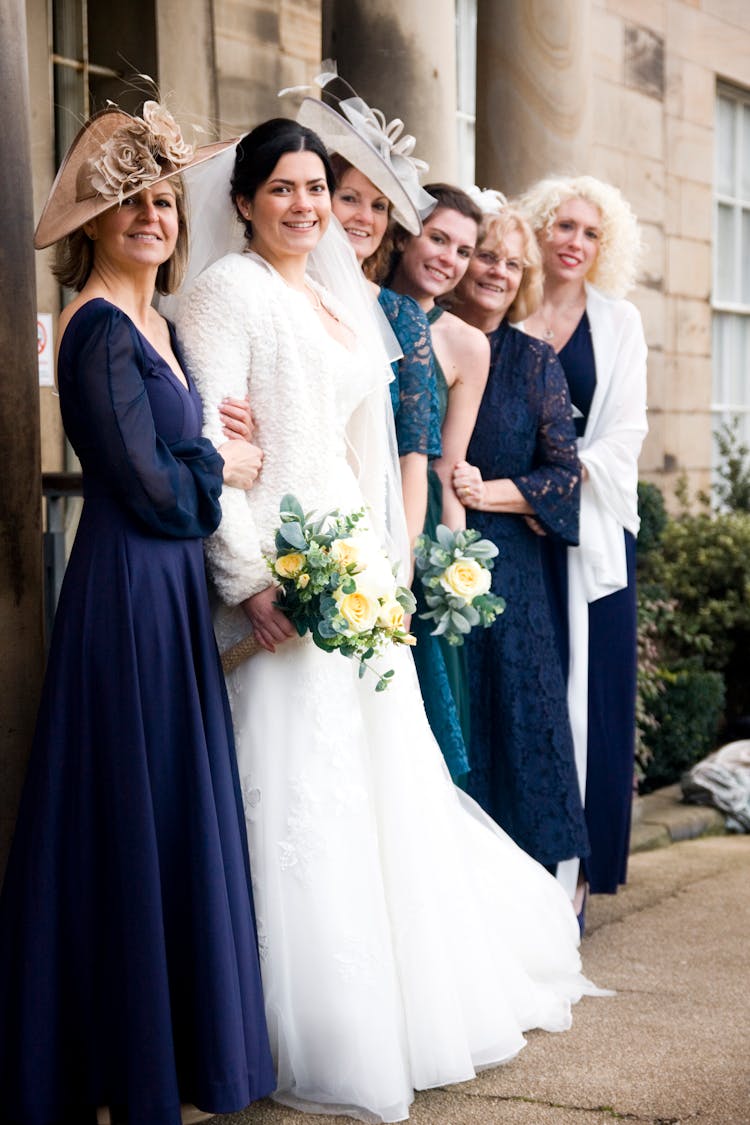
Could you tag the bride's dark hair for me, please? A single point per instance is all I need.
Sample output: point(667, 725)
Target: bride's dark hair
point(260, 150)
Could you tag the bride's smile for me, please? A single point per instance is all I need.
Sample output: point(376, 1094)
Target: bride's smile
point(290, 211)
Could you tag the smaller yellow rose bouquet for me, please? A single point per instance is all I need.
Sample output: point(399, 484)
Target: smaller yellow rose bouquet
point(338, 585)
point(455, 574)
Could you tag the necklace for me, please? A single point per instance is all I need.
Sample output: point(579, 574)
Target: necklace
point(319, 308)
point(563, 311)
point(317, 304)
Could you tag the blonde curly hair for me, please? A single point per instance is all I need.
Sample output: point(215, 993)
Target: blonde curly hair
point(620, 247)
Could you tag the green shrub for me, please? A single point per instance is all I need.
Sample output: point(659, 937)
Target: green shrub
point(687, 713)
point(732, 489)
point(653, 515)
point(703, 567)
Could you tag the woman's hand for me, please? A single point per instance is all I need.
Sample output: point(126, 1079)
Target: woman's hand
point(468, 484)
point(237, 418)
point(535, 526)
point(270, 625)
point(242, 463)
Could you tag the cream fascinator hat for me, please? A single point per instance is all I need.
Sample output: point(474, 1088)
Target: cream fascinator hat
point(489, 201)
point(113, 157)
point(376, 148)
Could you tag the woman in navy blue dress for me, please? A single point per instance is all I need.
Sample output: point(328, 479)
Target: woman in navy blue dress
point(521, 482)
point(590, 243)
point(129, 974)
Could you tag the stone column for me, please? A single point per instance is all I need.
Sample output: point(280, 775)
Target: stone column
point(22, 648)
point(400, 55)
point(534, 74)
point(186, 63)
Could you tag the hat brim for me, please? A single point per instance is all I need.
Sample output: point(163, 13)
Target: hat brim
point(63, 213)
point(339, 135)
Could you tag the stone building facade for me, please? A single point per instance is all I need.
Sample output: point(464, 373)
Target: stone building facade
point(628, 90)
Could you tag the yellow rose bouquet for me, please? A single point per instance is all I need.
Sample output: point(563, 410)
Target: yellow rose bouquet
point(338, 585)
point(455, 574)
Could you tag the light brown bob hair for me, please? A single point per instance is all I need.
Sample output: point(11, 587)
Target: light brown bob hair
point(74, 254)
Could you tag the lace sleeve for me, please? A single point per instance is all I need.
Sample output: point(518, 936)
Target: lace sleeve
point(414, 390)
point(553, 487)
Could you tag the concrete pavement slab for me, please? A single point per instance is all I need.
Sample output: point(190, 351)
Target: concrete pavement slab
point(671, 1048)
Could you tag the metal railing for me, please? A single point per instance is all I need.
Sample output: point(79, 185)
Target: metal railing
point(57, 489)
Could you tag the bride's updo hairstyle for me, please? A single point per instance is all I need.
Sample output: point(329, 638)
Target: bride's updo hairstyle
point(260, 150)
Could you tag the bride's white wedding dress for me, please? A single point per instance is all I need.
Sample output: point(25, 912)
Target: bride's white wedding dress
point(405, 940)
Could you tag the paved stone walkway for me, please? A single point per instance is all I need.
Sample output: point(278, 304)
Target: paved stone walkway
point(671, 1048)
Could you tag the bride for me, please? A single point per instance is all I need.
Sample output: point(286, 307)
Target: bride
point(405, 941)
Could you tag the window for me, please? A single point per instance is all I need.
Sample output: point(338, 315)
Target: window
point(97, 50)
point(466, 81)
point(731, 285)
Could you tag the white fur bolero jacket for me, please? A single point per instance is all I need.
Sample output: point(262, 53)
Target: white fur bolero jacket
point(245, 332)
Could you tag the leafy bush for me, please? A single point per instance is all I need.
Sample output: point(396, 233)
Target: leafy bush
point(686, 714)
point(732, 490)
point(703, 567)
point(653, 513)
point(693, 616)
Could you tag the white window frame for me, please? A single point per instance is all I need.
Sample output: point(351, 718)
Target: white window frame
point(466, 89)
point(734, 313)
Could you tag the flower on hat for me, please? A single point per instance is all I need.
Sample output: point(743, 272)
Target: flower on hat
point(172, 145)
point(489, 201)
point(132, 157)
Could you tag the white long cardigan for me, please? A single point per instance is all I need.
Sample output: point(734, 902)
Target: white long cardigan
point(609, 449)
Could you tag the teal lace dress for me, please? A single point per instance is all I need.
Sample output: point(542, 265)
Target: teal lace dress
point(441, 667)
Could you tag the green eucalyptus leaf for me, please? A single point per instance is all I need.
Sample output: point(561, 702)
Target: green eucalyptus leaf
point(459, 622)
point(294, 536)
point(290, 508)
point(445, 537)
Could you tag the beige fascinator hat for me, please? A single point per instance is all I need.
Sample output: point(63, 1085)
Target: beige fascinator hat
point(113, 157)
point(373, 146)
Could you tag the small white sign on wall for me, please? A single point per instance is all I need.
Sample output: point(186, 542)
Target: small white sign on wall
point(45, 349)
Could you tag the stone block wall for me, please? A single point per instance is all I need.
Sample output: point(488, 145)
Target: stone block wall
point(655, 70)
point(261, 47)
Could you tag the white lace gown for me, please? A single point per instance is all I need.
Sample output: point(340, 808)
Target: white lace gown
point(405, 940)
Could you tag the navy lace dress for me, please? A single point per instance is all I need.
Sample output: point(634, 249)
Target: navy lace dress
point(521, 751)
point(128, 964)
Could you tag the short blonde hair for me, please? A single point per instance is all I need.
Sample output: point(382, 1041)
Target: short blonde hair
point(614, 271)
point(74, 254)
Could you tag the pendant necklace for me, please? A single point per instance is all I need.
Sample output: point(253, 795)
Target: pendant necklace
point(548, 332)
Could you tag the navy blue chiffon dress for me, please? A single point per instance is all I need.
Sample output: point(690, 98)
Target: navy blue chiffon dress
point(419, 395)
point(521, 750)
point(612, 667)
point(129, 973)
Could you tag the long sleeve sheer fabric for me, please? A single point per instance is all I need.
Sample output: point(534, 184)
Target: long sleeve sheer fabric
point(414, 393)
point(171, 486)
